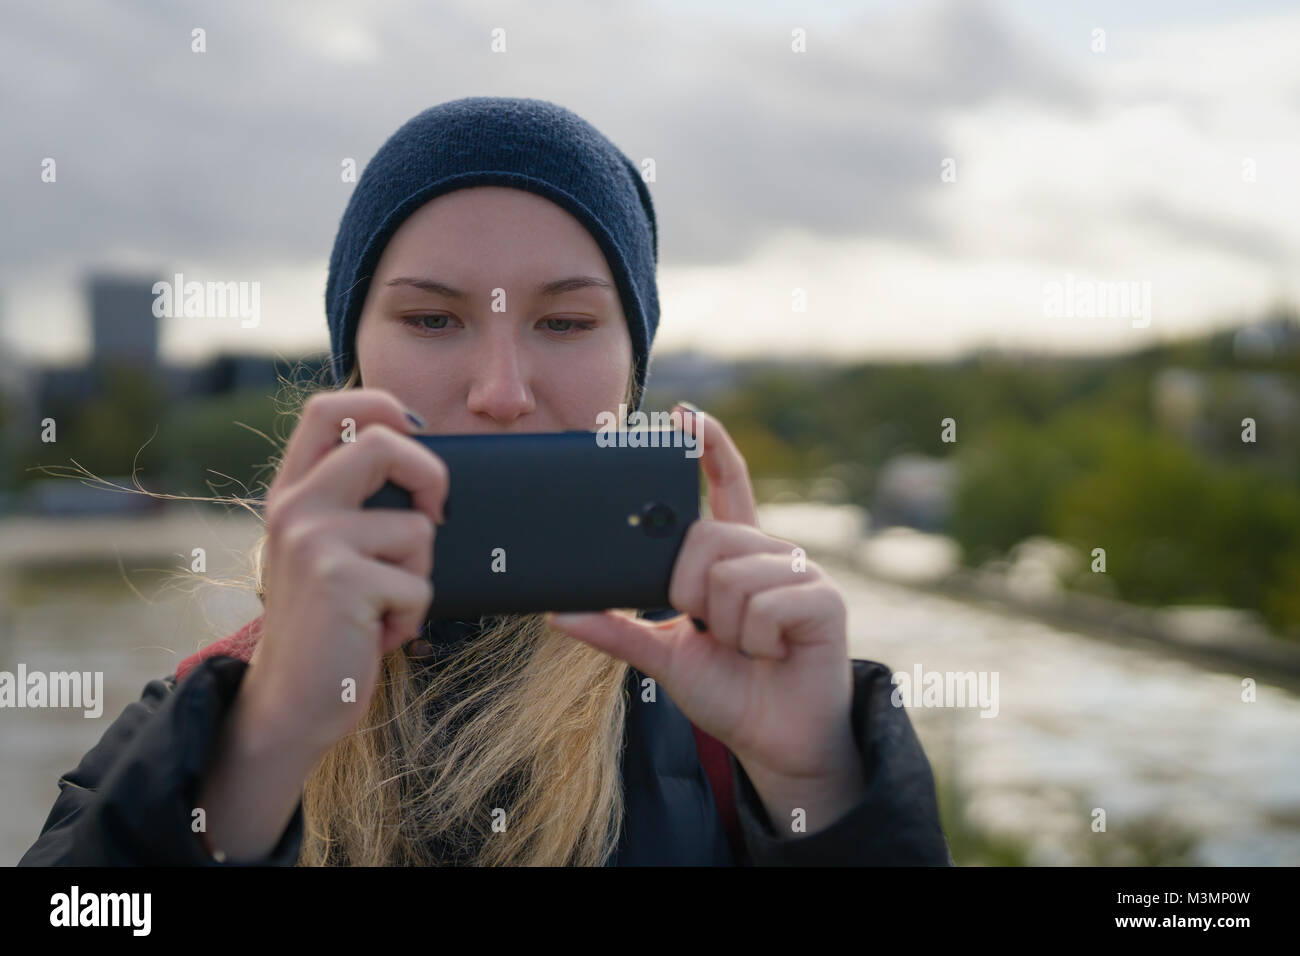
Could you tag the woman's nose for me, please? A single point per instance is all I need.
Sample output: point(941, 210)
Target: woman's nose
point(499, 388)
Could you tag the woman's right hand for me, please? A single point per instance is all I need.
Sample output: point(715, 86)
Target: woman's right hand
point(344, 585)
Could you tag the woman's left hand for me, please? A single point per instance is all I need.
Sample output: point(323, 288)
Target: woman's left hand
point(771, 676)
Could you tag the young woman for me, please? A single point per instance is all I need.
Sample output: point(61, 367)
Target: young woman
point(494, 272)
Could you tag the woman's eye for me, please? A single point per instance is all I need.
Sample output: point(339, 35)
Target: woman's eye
point(418, 322)
point(570, 324)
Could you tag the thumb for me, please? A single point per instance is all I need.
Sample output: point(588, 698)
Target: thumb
point(643, 645)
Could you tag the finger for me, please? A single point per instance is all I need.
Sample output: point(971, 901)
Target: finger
point(647, 647)
point(708, 541)
point(353, 471)
point(731, 496)
point(398, 601)
point(734, 582)
point(790, 614)
point(401, 538)
point(323, 420)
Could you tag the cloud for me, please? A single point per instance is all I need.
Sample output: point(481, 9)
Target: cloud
point(237, 150)
point(1215, 233)
point(1123, 164)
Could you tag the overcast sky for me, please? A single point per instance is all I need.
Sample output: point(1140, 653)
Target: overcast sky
point(819, 170)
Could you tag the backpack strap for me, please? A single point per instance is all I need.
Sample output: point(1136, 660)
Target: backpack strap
point(716, 760)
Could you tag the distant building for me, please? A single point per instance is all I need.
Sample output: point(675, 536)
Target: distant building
point(226, 373)
point(125, 333)
point(123, 327)
point(63, 385)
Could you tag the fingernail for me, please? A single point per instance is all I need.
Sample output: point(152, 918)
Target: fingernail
point(689, 407)
point(419, 648)
point(416, 420)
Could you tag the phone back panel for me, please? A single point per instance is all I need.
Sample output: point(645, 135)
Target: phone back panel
point(555, 522)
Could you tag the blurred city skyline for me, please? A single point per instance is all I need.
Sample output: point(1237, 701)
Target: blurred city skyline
point(1164, 159)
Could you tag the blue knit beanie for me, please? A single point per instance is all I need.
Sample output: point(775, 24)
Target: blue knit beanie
point(499, 141)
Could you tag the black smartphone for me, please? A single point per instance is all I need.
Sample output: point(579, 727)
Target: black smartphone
point(558, 521)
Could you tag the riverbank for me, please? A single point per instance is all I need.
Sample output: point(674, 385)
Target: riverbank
point(1216, 638)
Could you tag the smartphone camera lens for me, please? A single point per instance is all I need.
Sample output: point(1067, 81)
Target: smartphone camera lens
point(657, 519)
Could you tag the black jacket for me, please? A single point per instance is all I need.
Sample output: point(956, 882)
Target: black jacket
point(130, 800)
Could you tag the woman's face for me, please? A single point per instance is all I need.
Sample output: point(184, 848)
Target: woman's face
point(470, 322)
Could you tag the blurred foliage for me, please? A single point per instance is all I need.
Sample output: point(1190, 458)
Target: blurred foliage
point(969, 843)
point(1144, 841)
point(1076, 450)
point(107, 433)
point(200, 446)
point(212, 446)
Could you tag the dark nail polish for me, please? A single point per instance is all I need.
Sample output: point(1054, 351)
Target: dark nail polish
point(419, 648)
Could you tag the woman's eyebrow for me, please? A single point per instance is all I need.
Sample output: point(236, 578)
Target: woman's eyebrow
point(428, 285)
point(556, 287)
point(572, 284)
